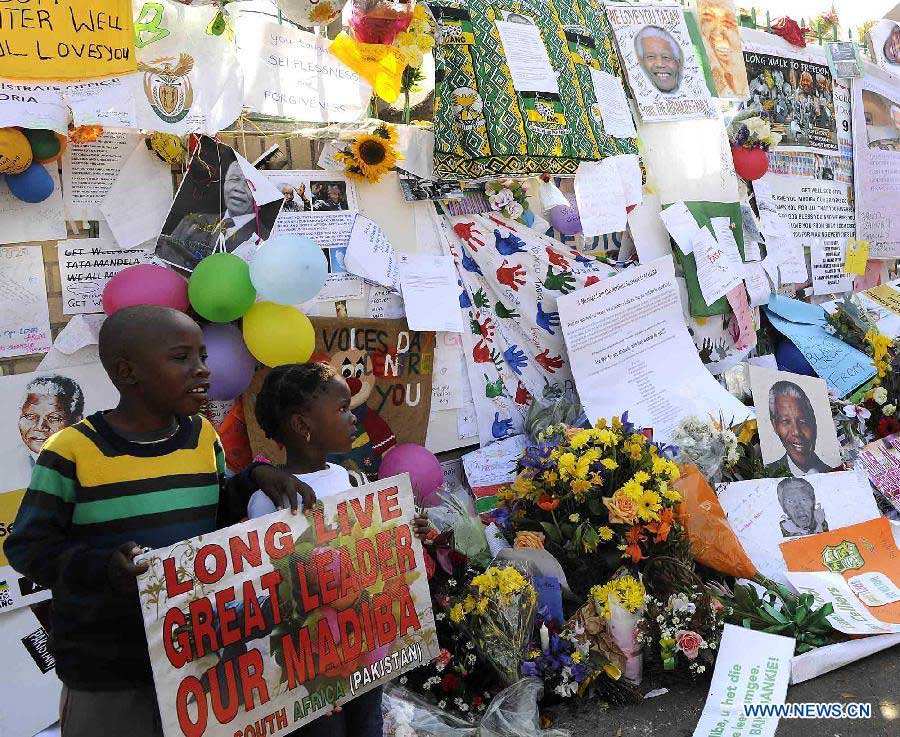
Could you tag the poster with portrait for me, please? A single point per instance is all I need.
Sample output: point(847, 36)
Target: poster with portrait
point(876, 160)
point(662, 70)
point(388, 368)
point(722, 43)
point(321, 206)
point(223, 203)
point(33, 406)
point(796, 433)
point(795, 87)
point(765, 512)
point(883, 40)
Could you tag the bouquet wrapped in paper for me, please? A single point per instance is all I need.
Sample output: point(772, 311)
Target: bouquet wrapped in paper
point(499, 615)
point(621, 603)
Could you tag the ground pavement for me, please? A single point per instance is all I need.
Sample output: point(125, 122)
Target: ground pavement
point(875, 680)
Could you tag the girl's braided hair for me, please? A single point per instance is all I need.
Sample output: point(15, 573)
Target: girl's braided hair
point(287, 390)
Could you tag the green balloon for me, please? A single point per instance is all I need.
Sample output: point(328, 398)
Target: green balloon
point(220, 288)
point(44, 143)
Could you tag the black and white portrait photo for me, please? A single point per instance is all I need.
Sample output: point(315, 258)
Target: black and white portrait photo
point(796, 431)
point(222, 202)
point(802, 514)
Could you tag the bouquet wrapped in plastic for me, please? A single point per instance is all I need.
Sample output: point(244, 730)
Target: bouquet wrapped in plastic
point(512, 713)
point(499, 615)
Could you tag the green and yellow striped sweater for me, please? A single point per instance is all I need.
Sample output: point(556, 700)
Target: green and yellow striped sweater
point(91, 491)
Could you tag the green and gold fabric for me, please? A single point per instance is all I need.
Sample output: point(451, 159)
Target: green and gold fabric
point(484, 128)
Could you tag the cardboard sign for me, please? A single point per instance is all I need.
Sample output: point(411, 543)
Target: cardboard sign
point(388, 368)
point(297, 614)
point(75, 39)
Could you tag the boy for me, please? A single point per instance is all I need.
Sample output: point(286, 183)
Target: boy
point(146, 474)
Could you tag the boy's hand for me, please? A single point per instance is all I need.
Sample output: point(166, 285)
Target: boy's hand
point(283, 488)
point(421, 526)
point(122, 570)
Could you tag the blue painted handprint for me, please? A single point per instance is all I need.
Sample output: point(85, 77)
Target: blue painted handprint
point(509, 245)
point(464, 301)
point(469, 264)
point(516, 359)
point(547, 320)
point(501, 428)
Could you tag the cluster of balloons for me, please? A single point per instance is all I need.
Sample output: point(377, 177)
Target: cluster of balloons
point(285, 271)
point(23, 153)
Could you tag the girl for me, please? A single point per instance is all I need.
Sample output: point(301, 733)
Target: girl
point(306, 408)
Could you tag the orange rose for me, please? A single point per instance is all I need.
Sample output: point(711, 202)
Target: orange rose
point(622, 508)
point(527, 539)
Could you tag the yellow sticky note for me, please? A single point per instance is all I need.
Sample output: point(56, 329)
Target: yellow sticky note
point(857, 255)
point(71, 39)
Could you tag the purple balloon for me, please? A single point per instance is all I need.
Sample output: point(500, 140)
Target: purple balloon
point(425, 472)
point(566, 219)
point(231, 367)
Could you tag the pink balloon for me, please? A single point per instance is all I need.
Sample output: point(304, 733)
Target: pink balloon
point(424, 470)
point(146, 284)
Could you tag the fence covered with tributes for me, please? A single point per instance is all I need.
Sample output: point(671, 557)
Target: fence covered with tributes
point(611, 288)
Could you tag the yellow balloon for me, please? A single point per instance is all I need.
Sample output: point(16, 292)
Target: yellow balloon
point(278, 334)
point(15, 151)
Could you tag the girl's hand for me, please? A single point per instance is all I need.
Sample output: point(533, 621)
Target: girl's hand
point(421, 526)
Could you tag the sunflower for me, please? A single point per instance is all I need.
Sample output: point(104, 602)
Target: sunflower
point(371, 155)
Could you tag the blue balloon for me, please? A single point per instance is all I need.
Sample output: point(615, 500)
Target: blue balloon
point(288, 270)
point(789, 358)
point(528, 218)
point(32, 185)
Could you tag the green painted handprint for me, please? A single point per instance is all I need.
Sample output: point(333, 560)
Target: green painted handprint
point(503, 311)
point(481, 299)
point(561, 282)
point(493, 389)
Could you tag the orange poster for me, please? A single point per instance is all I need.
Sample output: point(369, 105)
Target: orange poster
point(857, 566)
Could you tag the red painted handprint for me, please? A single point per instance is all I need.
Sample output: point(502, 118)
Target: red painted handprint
point(487, 327)
point(481, 353)
point(556, 259)
point(591, 280)
point(523, 396)
point(512, 276)
point(468, 233)
point(548, 362)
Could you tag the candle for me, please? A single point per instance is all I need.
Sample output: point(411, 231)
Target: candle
point(545, 638)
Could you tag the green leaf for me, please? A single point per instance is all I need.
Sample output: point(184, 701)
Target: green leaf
point(552, 532)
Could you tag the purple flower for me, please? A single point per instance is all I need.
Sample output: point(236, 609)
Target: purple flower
point(537, 457)
point(529, 668)
point(742, 136)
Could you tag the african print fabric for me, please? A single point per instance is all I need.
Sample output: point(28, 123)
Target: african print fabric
point(511, 277)
point(483, 127)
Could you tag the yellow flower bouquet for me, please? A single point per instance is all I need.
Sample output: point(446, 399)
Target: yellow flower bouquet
point(498, 614)
point(598, 494)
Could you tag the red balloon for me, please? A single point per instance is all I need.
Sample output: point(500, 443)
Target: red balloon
point(146, 284)
point(749, 163)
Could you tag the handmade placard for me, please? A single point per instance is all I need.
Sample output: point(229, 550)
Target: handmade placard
point(388, 369)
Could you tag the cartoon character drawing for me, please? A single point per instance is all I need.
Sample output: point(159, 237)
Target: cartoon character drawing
point(374, 436)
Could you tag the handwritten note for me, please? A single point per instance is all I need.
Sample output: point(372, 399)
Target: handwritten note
point(430, 292)
point(743, 331)
point(73, 39)
point(22, 222)
point(371, 255)
point(448, 372)
point(86, 265)
point(612, 104)
point(25, 317)
point(90, 169)
point(682, 226)
point(383, 302)
point(757, 283)
point(600, 197)
point(719, 266)
point(828, 275)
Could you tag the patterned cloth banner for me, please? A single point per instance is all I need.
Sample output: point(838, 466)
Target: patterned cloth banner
point(483, 126)
point(510, 278)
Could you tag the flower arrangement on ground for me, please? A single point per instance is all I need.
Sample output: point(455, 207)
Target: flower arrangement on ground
point(565, 666)
point(599, 495)
point(508, 197)
point(682, 633)
point(499, 614)
point(621, 603)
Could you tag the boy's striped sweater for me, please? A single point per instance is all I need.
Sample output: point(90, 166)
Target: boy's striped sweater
point(92, 491)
